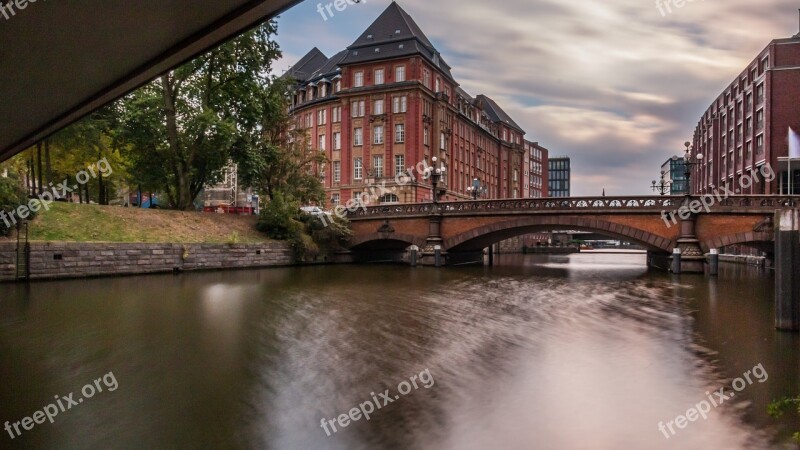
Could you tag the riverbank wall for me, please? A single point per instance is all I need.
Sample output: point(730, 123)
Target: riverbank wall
point(54, 260)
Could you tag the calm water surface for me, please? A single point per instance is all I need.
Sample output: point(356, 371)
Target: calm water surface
point(586, 351)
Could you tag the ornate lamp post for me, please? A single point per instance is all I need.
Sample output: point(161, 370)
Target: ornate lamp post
point(476, 190)
point(689, 162)
point(436, 177)
point(663, 186)
point(688, 256)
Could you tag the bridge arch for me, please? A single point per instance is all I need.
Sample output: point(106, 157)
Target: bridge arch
point(486, 235)
point(385, 241)
point(760, 240)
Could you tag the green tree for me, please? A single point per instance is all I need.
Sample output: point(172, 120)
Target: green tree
point(278, 156)
point(777, 408)
point(181, 129)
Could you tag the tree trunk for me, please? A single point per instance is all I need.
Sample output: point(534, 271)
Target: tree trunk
point(39, 167)
point(86, 188)
point(48, 166)
point(100, 185)
point(180, 164)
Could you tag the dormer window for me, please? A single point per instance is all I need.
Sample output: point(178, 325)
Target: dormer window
point(369, 36)
point(396, 31)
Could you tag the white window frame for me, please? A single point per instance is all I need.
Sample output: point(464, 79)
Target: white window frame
point(358, 169)
point(358, 137)
point(400, 73)
point(377, 135)
point(400, 133)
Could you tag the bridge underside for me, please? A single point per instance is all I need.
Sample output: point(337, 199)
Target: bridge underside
point(67, 59)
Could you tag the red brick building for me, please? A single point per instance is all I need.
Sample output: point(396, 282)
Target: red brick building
point(747, 126)
point(538, 157)
point(387, 105)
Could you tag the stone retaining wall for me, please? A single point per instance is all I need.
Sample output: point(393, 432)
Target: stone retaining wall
point(54, 260)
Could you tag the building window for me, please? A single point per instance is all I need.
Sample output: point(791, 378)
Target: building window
point(390, 198)
point(336, 114)
point(322, 117)
point(399, 164)
point(377, 107)
point(337, 86)
point(377, 135)
point(337, 141)
point(336, 199)
point(358, 79)
point(337, 171)
point(438, 86)
point(377, 165)
point(759, 144)
point(358, 108)
point(400, 74)
point(379, 76)
point(400, 133)
point(358, 137)
point(358, 169)
point(516, 174)
point(426, 137)
point(321, 142)
point(760, 119)
point(426, 78)
point(399, 104)
point(442, 141)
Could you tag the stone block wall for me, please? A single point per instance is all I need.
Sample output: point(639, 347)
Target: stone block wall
point(55, 260)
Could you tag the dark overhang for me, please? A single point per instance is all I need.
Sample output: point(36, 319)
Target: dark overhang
point(60, 60)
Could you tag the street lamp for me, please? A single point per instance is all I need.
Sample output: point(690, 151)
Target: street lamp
point(689, 161)
point(436, 176)
point(476, 190)
point(663, 186)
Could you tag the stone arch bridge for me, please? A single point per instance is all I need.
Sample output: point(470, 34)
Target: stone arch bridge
point(458, 232)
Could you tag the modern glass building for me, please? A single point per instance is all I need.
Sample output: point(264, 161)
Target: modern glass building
point(558, 175)
point(675, 174)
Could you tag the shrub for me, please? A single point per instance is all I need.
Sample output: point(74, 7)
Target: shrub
point(278, 218)
point(12, 195)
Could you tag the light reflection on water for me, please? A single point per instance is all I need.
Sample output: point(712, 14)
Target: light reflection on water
point(560, 352)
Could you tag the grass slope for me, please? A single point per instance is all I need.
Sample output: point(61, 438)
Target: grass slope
point(92, 223)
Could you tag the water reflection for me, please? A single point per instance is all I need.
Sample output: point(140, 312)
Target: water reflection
point(561, 352)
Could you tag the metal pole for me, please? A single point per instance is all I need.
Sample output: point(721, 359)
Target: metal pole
point(676, 261)
point(713, 262)
point(438, 255)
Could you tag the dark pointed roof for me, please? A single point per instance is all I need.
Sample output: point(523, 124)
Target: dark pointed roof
point(496, 113)
point(305, 68)
point(394, 24)
point(331, 65)
point(394, 34)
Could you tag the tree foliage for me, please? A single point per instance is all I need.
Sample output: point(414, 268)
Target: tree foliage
point(181, 129)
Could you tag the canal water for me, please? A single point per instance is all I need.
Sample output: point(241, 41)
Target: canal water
point(586, 351)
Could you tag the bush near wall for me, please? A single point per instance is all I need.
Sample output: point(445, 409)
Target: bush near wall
point(12, 195)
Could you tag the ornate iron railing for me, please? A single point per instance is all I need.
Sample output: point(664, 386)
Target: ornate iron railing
point(574, 205)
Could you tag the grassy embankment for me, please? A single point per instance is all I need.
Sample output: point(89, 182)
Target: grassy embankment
point(92, 223)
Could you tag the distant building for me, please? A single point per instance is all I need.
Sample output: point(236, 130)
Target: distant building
point(559, 174)
point(675, 175)
point(389, 103)
point(537, 170)
point(746, 127)
point(228, 196)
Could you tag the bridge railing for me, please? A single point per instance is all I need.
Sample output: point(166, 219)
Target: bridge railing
point(644, 204)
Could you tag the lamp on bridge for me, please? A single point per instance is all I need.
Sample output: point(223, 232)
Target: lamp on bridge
point(663, 186)
point(436, 177)
point(689, 161)
point(476, 190)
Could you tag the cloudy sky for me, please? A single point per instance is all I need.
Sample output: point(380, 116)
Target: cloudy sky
point(614, 84)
